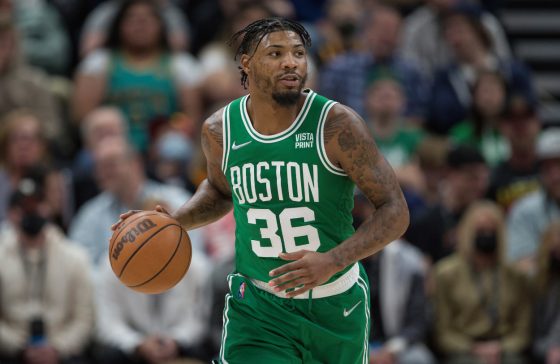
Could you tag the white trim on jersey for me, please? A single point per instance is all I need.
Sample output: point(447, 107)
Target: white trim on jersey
point(226, 138)
point(321, 141)
point(279, 136)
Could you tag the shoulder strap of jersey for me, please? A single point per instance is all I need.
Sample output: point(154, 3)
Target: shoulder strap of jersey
point(326, 106)
point(230, 111)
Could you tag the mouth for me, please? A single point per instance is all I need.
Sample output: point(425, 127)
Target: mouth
point(290, 80)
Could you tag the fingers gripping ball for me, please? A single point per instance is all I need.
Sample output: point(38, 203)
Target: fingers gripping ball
point(150, 252)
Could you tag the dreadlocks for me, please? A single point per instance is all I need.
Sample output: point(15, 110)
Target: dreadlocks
point(253, 33)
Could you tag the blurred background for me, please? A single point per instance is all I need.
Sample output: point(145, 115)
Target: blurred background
point(101, 105)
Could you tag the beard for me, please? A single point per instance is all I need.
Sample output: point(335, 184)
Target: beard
point(286, 98)
point(289, 97)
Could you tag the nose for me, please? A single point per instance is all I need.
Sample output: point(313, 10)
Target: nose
point(289, 61)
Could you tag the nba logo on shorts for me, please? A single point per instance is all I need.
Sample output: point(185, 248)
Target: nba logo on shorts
point(241, 292)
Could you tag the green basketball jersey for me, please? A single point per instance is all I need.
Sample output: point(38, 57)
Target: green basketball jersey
point(287, 195)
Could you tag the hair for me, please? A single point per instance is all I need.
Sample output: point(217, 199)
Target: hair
point(466, 229)
point(476, 25)
point(250, 37)
point(542, 277)
point(476, 115)
point(114, 40)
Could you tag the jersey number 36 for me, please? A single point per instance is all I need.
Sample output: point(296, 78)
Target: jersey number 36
point(289, 232)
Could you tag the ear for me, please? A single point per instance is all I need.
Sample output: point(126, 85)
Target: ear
point(245, 62)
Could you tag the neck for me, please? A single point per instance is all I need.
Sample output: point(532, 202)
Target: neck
point(483, 261)
point(29, 243)
point(268, 117)
point(383, 127)
point(381, 57)
point(522, 159)
point(476, 57)
point(140, 55)
point(451, 200)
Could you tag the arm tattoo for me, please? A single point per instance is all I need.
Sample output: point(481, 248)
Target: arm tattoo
point(355, 151)
point(215, 132)
point(333, 126)
point(212, 199)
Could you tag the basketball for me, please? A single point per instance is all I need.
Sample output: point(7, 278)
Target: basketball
point(150, 252)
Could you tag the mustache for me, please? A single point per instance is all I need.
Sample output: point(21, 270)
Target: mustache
point(289, 74)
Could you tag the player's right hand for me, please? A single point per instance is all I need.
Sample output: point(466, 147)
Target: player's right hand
point(162, 209)
point(123, 217)
point(129, 213)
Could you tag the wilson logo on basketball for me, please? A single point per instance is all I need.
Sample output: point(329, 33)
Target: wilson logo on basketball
point(131, 235)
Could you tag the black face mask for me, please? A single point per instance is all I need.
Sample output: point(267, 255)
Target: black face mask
point(554, 264)
point(32, 224)
point(346, 29)
point(486, 242)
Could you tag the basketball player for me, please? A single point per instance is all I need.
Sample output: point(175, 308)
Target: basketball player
point(287, 160)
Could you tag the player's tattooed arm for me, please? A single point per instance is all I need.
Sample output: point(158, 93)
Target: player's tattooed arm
point(350, 146)
point(212, 199)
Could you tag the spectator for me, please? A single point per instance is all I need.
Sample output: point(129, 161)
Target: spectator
point(385, 101)
point(465, 181)
point(94, 32)
point(103, 122)
point(22, 86)
point(471, 47)
point(137, 73)
point(423, 41)
point(23, 147)
point(481, 128)
point(45, 289)
point(546, 344)
point(337, 32)
point(518, 175)
point(136, 328)
point(347, 77)
point(220, 82)
point(432, 154)
point(120, 173)
point(398, 306)
point(73, 14)
point(171, 159)
point(483, 311)
point(220, 288)
point(530, 215)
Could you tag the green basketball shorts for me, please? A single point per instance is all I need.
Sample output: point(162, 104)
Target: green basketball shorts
point(260, 327)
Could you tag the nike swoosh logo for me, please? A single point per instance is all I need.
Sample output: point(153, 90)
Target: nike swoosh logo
point(238, 146)
point(346, 312)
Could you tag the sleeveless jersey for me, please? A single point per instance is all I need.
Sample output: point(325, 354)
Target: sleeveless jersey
point(287, 196)
point(142, 95)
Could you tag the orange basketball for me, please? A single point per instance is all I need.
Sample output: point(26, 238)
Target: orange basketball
point(150, 252)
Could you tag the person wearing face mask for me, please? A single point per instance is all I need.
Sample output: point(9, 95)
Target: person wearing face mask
point(482, 307)
point(45, 287)
point(546, 328)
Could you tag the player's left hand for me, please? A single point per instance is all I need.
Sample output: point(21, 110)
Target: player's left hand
point(306, 271)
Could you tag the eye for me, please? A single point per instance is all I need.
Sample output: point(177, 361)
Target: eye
point(274, 54)
point(300, 53)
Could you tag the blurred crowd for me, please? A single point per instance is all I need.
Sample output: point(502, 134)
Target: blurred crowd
point(101, 104)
